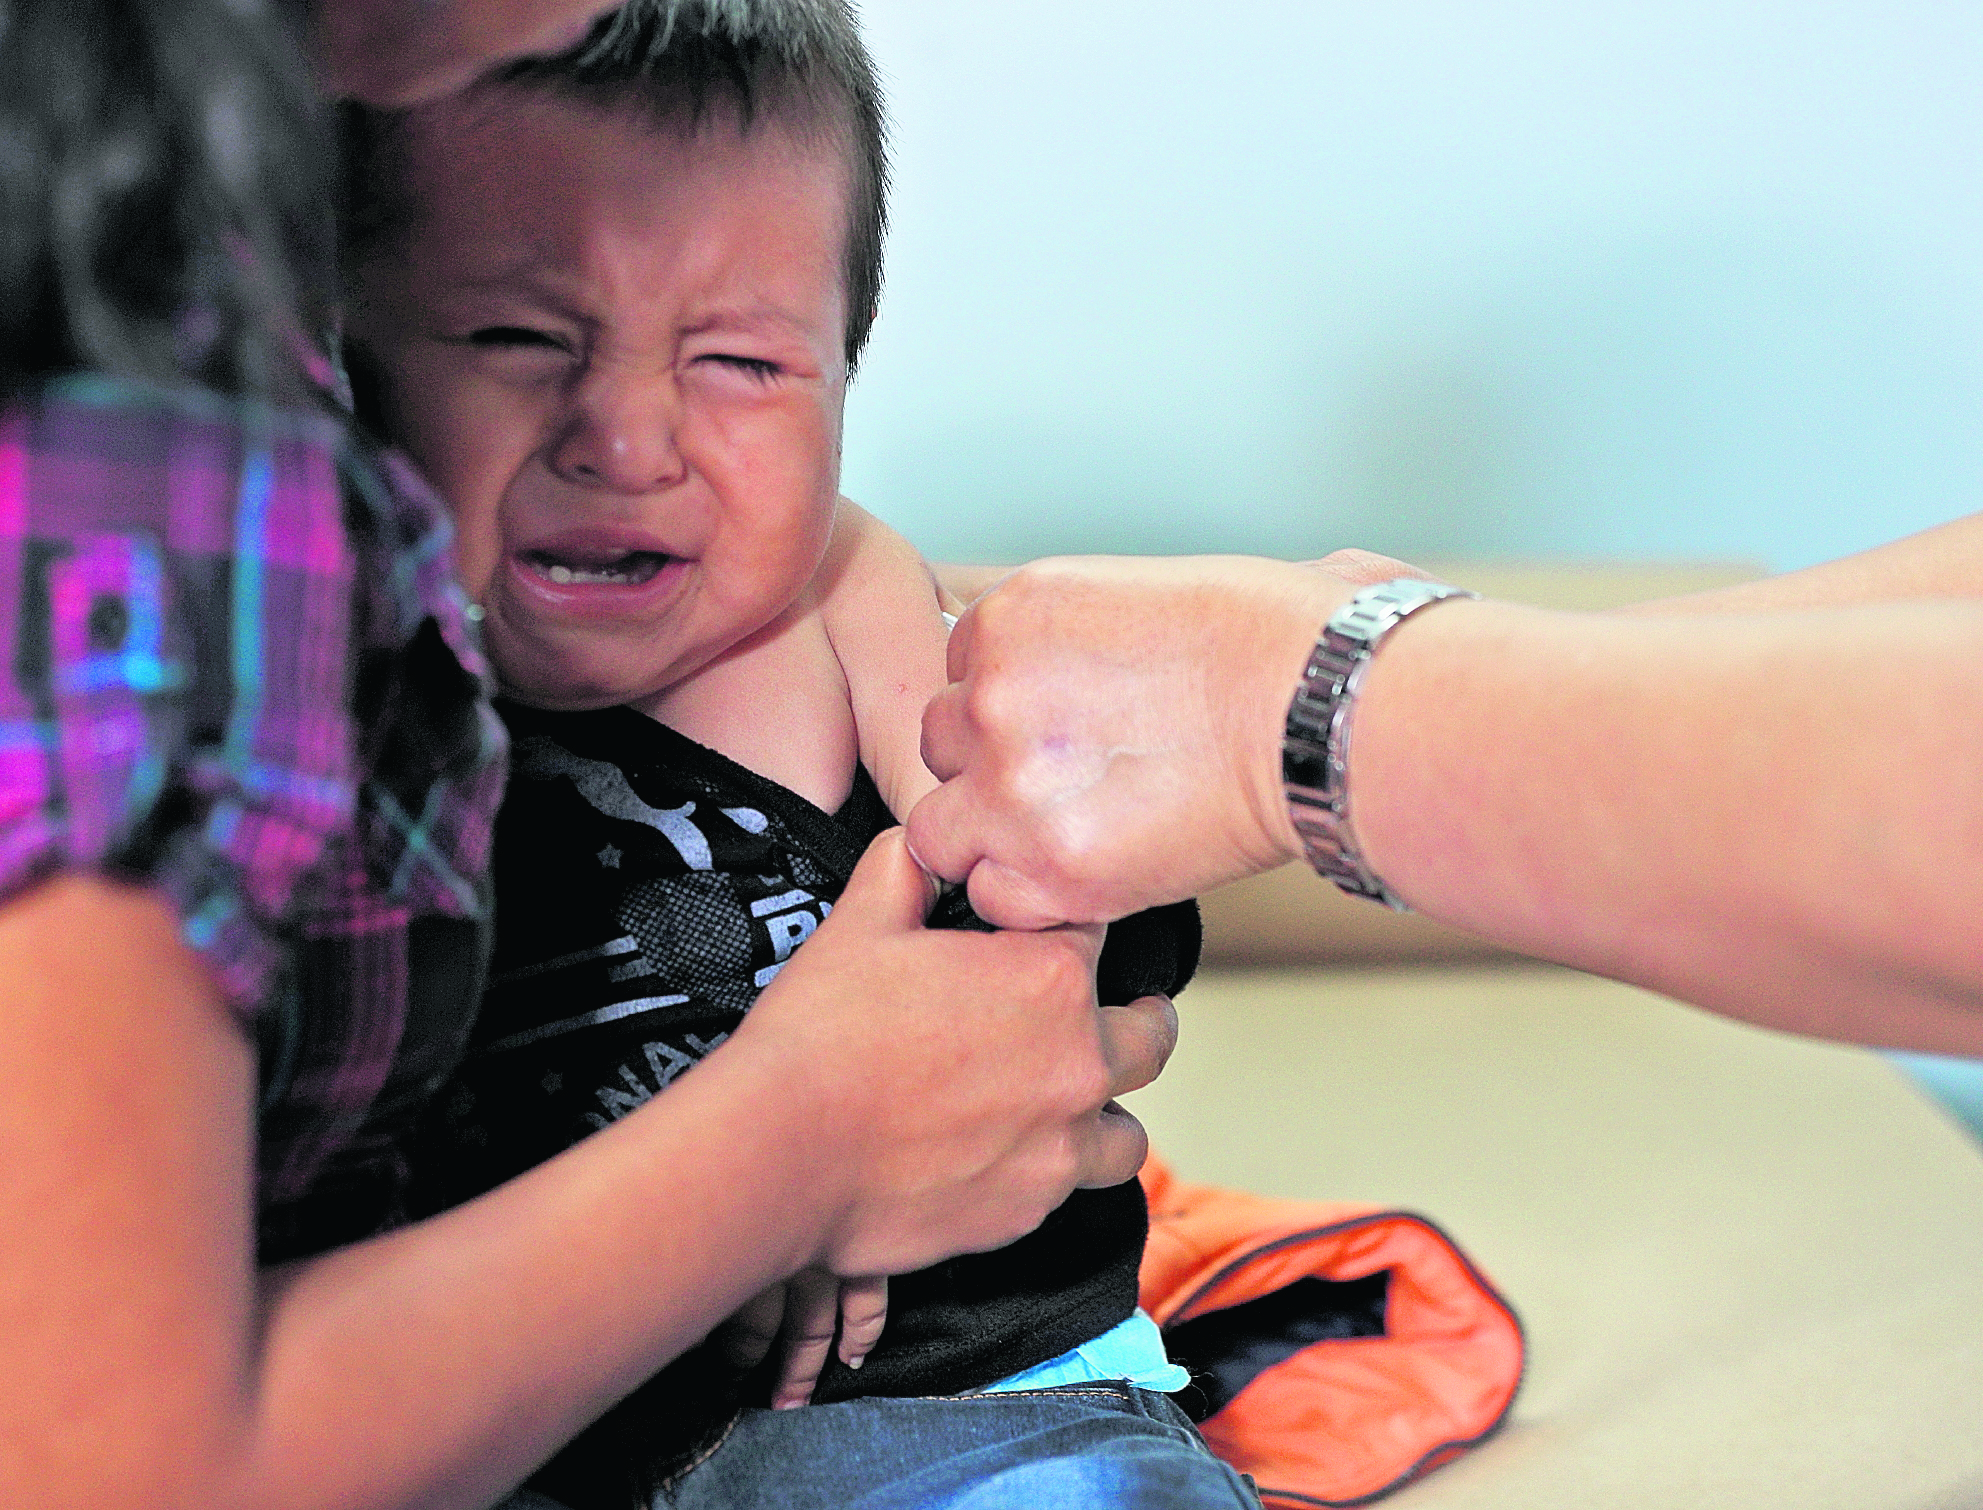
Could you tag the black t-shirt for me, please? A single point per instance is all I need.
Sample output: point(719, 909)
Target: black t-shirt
point(647, 888)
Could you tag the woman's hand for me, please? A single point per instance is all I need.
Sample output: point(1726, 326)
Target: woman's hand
point(1111, 737)
point(945, 1090)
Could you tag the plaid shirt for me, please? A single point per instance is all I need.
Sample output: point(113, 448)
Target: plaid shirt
point(242, 672)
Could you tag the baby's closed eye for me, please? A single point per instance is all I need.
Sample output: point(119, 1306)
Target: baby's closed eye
point(757, 369)
point(513, 337)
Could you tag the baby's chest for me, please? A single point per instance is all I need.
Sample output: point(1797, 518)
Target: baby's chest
point(635, 929)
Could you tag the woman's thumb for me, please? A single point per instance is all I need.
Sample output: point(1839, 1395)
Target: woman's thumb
point(888, 892)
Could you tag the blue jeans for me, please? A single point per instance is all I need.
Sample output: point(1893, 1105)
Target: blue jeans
point(1104, 1446)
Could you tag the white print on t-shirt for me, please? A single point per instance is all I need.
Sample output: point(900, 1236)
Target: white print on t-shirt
point(605, 787)
point(664, 1063)
point(789, 919)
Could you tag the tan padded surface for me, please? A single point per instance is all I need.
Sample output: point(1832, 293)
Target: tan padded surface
point(1750, 1266)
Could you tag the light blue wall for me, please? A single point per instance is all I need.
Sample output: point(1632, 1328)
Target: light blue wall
point(1555, 278)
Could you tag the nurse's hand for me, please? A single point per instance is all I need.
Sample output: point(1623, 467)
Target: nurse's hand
point(1111, 737)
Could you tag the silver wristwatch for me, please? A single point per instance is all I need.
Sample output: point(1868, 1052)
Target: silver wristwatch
point(1315, 748)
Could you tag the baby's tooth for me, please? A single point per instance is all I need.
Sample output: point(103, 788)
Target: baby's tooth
point(582, 576)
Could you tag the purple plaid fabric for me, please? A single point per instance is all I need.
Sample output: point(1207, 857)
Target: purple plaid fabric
point(242, 672)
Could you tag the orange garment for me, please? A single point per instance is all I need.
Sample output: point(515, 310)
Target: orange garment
point(1343, 1420)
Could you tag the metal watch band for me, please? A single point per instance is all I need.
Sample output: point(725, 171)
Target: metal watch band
point(1315, 746)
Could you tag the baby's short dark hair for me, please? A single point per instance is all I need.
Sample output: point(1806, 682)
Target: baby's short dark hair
point(679, 60)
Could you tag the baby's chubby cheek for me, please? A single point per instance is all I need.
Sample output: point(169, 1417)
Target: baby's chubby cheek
point(477, 554)
point(434, 449)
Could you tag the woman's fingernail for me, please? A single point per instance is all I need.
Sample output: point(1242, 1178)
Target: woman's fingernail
point(857, 1362)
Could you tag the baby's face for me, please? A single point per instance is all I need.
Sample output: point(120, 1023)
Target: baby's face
point(617, 351)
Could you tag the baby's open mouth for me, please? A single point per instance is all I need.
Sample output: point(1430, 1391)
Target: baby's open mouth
point(629, 569)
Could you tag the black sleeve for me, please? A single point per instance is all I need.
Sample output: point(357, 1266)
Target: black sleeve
point(1148, 953)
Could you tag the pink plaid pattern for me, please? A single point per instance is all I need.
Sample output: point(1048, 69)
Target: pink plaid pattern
point(241, 671)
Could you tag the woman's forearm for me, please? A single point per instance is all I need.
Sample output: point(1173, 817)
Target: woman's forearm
point(438, 1365)
point(1778, 815)
point(434, 1366)
point(1940, 563)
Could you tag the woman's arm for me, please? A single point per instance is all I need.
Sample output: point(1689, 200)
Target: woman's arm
point(1944, 562)
point(1776, 814)
point(896, 1096)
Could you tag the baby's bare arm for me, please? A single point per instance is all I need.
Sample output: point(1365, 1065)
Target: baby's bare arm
point(884, 618)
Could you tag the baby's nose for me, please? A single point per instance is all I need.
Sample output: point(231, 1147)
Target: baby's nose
point(620, 436)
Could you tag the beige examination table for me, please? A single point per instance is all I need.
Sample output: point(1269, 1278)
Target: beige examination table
point(1750, 1266)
